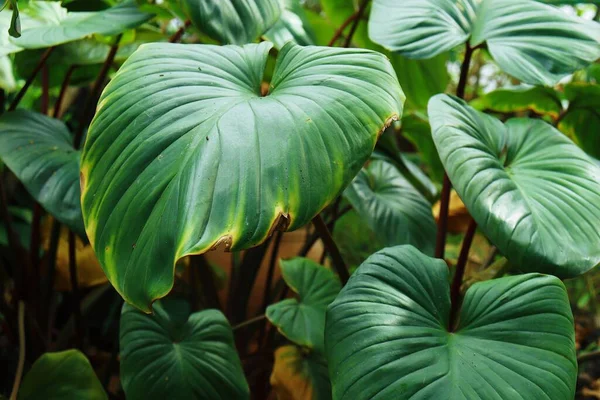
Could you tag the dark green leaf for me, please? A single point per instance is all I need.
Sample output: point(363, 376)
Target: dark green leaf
point(174, 355)
point(387, 336)
point(532, 192)
point(39, 151)
point(581, 121)
point(539, 99)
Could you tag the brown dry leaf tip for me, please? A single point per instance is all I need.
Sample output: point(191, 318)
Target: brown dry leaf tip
point(81, 180)
point(387, 124)
point(226, 240)
point(281, 223)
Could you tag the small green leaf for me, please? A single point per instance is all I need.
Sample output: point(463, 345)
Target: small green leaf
point(531, 190)
point(15, 21)
point(184, 154)
point(387, 336)
point(232, 21)
point(534, 42)
point(392, 207)
point(175, 355)
point(39, 151)
point(302, 320)
point(59, 376)
point(539, 99)
point(67, 27)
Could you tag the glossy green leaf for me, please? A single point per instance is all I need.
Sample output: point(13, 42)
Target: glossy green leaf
point(15, 21)
point(69, 26)
point(531, 190)
point(355, 239)
point(302, 320)
point(392, 207)
point(175, 355)
point(59, 376)
point(291, 26)
point(539, 99)
point(581, 121)
point(39, 151)
point(234, 21)
point(300, 375)
point(534, 42)
point(184, 154)
point(387, 336)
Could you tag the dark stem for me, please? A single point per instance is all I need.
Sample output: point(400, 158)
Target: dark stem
point(34, 257)
point(340, 31)
point(594, 355)
point(359, 14)
point(36, 70)
point(464, 71)
point(63, 90)
point(92, 100)
point(2, 101)
point(459, 273)
point(177, 35)
point(50, 274)
point(45, 91)
point(75, 291)
point(248, 322)
point(207, 282)
point(442, 223)
point(271, 271)
point(338, 261)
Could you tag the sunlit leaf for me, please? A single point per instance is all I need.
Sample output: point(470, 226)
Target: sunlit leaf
point(387, 335)
point(184, 153)
point(539, 99)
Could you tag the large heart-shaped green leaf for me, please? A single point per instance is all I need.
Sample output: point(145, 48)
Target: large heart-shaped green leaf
point(531, 190)
point(59, 376)
point(184, 154)
point(233, 21)
point(69, 26)
point(534, 42)
point(302, 320)
point(39, 151)
point(392, 207)
point(174, 355)
point(582, 119)
point(387, 336)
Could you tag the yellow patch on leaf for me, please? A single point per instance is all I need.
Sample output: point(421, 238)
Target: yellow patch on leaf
point(289, 378)
point(458, 215)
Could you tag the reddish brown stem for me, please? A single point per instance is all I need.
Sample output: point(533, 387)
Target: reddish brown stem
point(340, 31)
point(90, 104)
point(442, 223)
point(75, 302)
point(464, 71)
point(332, 249)
point(360, 12)
point(36, 70)
point(459, 273)
point(177, 35)
point(63, 91)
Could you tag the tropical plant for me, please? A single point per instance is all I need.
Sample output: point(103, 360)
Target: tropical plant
point(449, 215)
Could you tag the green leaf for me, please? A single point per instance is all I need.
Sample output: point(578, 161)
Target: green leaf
point(387, 336)
point(539, 99)
point(232, 21)
point(355, 239)
point(15, 22)
point(174, 355)
point(534, 42)
point(291, 26)
point(392, 207)
point(63, 375)
point(299, 375)
point(302, 320)
point(415, 128)
point(185, 155)
point(67, 27)
point(7, 78)
point(532, 192)
point(39, 151)
point(582, 119)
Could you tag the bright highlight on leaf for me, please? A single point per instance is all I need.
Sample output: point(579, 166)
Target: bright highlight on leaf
point(175, 355)
point(534, 42)
point(185, 155)
point(531, 190)
point(387, 336)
